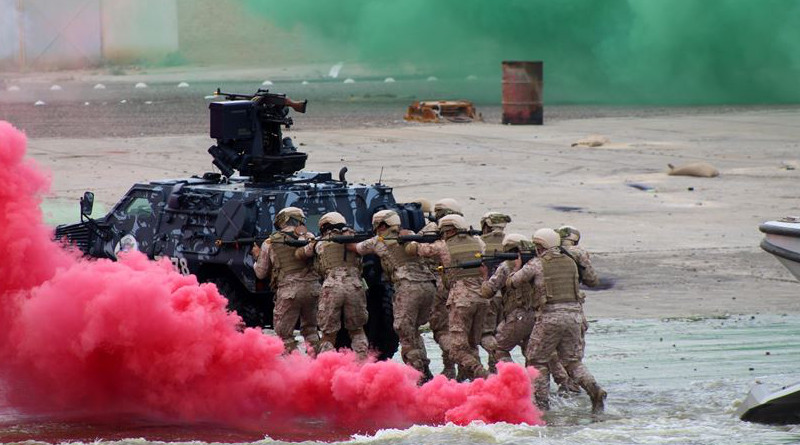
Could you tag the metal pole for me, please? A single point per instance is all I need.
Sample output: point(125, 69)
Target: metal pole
point(21, 28)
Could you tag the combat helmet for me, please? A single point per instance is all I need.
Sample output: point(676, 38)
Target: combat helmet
point(332, 221)
point(546, 238)
point(288, 214)
point(424, 204)
point(514, 241)
point(453, 221)
point(495, 220)
point(446, 206)
point(388, 217)
point(570, 236)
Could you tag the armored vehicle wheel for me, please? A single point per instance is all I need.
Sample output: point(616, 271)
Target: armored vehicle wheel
point(380, 330)
point(254, 310)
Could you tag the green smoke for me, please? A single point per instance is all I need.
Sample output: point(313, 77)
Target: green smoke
point(610, 51)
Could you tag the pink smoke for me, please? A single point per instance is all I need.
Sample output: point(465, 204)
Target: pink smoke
point(136, 337)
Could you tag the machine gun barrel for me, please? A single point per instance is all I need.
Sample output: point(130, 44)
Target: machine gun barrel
point(265, 97)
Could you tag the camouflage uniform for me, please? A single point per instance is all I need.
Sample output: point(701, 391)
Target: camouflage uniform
point(559, 326)
point(494, 310)
point(466, 307)
point(414, 291)
point(295, 286)
point(517, 307)
point(342, 293)
point(438, 321)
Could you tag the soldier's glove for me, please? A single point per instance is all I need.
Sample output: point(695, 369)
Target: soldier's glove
point(412, 248)
point(255, 251)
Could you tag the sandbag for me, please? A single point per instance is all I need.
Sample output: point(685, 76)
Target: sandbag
point(698, 169)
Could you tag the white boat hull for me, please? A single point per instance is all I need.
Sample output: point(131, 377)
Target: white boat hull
point(782, 239)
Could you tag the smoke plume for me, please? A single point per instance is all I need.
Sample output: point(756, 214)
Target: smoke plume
point(611, 51)
point(136, 337)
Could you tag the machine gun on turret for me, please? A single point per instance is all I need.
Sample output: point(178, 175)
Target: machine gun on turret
point(249, 135)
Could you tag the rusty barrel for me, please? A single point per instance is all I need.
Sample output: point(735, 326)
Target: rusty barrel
point(522, 93)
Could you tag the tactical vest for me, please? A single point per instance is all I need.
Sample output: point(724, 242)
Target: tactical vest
point(397, 257)
point(335, 255)
point(463, 248)
point(560, 278)
point(494, 242)
point(285, 261)
point(519, 297)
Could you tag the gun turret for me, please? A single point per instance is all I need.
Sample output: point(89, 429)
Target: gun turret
point(248, 130)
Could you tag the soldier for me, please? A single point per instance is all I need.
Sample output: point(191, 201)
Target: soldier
point(466, 307)
point(294, 282)
point(559, 325)
point(570, 237)
point(414, 287)
point(517, 304)
point(439, 315)
point(342, 289)
point(493, 225)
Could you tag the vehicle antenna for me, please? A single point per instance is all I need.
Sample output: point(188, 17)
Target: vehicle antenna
point(381, 175)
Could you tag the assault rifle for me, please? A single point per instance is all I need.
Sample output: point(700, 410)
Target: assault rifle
point(341, 239)
point(425, 238)
point(493, 261)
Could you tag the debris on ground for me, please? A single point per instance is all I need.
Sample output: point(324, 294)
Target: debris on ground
point(593, 140)
point(437, 111)
point(640, 186)
point(698, 169)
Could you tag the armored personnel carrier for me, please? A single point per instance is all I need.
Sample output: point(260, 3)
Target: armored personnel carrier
point(207, 224)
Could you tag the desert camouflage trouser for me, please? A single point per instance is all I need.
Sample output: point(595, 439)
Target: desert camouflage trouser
point(412, 303)
point(467, 311)
point(441, 330)
point(514, 330)
point(560, 330)
point(297, 300)
point(343, 297)
point(493, 317)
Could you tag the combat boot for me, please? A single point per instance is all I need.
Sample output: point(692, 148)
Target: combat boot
point(463, 374)
point(492, 364)
point(568, 388)
point(427, 376)
point(598, 397)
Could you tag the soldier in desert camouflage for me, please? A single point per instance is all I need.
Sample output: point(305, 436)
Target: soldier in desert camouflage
point(493, 225)
point(293, 280)
point(466, 307)
point(439, 315)
point(559, 326)
point(343, 294)
point(414, 287)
